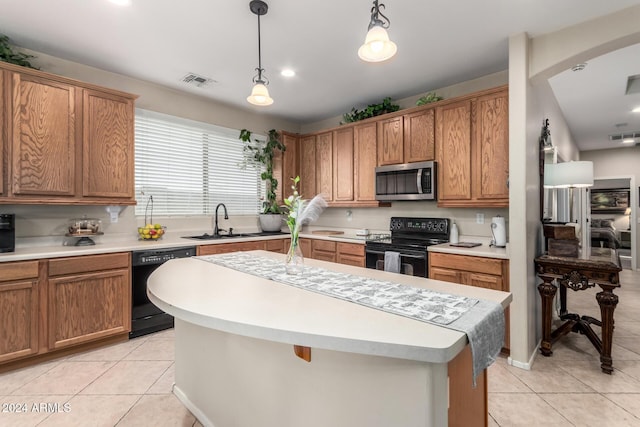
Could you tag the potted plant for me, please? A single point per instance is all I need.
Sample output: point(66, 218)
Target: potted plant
point(8, 55)
point(259, 154)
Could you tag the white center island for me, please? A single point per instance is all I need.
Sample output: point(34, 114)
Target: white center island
point(235, 363)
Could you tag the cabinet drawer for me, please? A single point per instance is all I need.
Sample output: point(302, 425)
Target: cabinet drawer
point(323, 245)
point(357, 261)
point(324, 256)
point(230, 247)
point(275, 245)
point(18, 270)
point(350, 249)
point(467, 263)
point(84, 264)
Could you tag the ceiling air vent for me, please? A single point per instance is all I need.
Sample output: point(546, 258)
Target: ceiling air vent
point(197, 80)
point(627, 137)
point(633, 85)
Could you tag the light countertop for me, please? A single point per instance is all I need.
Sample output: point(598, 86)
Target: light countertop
point(484, 250)
point(220, 298)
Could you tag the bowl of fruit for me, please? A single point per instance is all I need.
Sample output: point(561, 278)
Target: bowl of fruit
point(151, 232)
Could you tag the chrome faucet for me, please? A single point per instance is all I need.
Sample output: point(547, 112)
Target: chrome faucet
point(216, 230)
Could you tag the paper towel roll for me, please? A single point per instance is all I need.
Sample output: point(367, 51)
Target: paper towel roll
point(499, 231)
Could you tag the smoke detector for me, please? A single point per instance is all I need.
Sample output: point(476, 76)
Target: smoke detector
point(579, 67)
point(197, 80)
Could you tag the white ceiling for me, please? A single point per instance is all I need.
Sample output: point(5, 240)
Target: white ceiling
point(440, 42)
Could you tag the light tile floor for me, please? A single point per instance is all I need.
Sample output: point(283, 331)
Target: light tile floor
point(129, 384)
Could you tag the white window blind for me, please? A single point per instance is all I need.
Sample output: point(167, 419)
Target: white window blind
point(189, 167)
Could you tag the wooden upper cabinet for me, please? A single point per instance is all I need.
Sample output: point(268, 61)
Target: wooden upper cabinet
point(43, 136)
point(324, 165)
point(108, 157)
point(343, 161)
point(419, 136)
point(454, 151)
point(492, 147)
point(307, 187)
point(365, 153)
point(390, 141)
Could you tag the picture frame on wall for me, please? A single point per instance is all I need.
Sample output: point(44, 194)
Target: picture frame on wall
point(610, 200)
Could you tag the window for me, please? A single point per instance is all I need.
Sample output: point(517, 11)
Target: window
point(189, 167)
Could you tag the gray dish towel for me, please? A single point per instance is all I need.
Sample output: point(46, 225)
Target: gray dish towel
point(392, 261)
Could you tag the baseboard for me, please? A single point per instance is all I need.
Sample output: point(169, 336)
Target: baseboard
point(527, 366)
point(206, 422)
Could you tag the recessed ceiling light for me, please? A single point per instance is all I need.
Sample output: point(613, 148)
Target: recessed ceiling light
point(287, 72)
point(579, 67)
point(636, 110)
point(628, 141)
point(121, 2)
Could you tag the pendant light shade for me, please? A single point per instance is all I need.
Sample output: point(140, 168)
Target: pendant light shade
point(259, 94)
point(377, 47)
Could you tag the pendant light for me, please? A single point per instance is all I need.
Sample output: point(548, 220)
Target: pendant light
point(259, 93)
point(377, 47)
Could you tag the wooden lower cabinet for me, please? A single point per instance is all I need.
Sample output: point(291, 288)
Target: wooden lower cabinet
point(19, 310)
point(490, 273)
point(90, 298)
point(305, 246)
point(280, 246)
point(324, 250)
point(350, 254)
point(224, 248)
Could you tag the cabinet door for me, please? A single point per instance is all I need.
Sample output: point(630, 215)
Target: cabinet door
point(307, 186)
point(491, 156)
point(19, 319)
point(343, 162)
point(43, 137)
point(485, 281)
point(390, 141)
point(365, 141)
point(277, 245)
point(454, 151)
point(86, 307)
point(305, 246)
point(324, 165)
point(419, 136)
point(108, 156)
point(289, 164)
point(444, 274)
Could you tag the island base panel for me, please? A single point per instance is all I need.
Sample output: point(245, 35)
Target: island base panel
point(228, 380)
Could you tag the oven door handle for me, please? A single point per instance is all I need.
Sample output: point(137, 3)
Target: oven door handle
point(401, 254)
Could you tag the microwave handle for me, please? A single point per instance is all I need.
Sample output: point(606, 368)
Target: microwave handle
point(419, 180)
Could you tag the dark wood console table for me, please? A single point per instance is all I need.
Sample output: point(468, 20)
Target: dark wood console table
point(579, 274)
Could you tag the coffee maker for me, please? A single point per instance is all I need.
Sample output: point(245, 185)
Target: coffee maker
point(7, 232)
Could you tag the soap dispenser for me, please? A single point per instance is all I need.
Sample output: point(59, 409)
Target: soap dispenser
point(453, 237)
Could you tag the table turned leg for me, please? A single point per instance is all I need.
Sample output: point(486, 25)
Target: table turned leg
point(547, 292)
point(607, 301)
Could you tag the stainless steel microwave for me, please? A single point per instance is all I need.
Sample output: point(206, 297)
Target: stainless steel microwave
point(408, 181)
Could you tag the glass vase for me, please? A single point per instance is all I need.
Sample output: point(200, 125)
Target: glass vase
point(294, 263)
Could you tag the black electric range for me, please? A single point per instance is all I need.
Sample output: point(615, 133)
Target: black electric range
point(410, 237)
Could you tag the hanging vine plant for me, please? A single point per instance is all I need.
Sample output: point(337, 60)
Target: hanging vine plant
point(8, 55)
point(371, 110)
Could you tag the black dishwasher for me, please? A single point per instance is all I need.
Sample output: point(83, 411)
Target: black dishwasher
point(146, 317)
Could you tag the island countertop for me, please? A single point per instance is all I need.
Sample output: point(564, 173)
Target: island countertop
point(220, 298)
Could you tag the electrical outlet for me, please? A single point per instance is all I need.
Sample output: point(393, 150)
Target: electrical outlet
point(479, 218)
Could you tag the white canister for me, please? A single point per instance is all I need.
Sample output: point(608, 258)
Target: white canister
point(499, 231)
point(453, 236)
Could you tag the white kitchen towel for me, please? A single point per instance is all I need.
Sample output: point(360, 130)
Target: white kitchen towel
point(392, 261)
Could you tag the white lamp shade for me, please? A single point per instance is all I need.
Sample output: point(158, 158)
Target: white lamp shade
point(569, 174)
point(260, 95)
point(377, 47)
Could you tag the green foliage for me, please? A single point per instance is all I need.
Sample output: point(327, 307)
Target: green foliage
point(259, 154)
point(8, 55)
point(429, 98)
point(294, 204)
point(371, 110)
